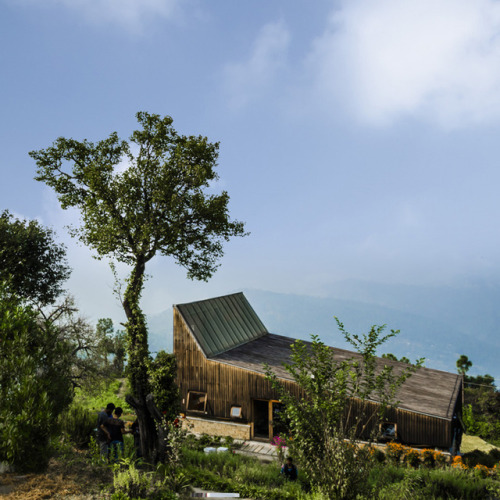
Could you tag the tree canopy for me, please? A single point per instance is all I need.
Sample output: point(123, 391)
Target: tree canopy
point(31, 262)
point(154, 198)
point(463, 364)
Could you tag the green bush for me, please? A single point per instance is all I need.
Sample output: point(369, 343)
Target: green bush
point(78, 424)
point(393, 483)
point(35, 385)
point(478, 457)
point(132, 482)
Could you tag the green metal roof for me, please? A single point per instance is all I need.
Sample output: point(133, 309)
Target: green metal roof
point(222, 323)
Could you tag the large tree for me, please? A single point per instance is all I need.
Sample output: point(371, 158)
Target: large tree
point(31, 262)
point(159, 204)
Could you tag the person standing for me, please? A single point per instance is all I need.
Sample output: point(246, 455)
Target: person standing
point(116, 429)
point(103, 436)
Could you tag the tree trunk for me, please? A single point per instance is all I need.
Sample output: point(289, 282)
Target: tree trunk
point(138, 352)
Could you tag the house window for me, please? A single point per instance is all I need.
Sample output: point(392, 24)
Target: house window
point(196, 401)
point(235, 411)
point(388, 431)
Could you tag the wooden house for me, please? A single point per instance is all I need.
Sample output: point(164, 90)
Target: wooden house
point(221, 346)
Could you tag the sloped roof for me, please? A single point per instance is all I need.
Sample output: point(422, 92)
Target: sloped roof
point(228, 330)
point(429, 392)
point(222, 323)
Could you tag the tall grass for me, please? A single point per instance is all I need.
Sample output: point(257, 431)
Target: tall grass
point(106, 393)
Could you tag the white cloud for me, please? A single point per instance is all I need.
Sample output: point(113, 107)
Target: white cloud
point(131, 14)
point(246, 80)
point(434, 59)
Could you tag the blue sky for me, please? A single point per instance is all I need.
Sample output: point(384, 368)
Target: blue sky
point(359, 139)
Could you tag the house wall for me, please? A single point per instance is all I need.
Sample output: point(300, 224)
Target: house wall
point(227, 385)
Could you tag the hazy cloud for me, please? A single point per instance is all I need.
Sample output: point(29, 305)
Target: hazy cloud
point(434, 59)
point(246, 80)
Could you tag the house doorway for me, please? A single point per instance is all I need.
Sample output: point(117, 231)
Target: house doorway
point(260, 419)
point(268, 419)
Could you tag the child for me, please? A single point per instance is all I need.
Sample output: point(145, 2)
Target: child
point(289, 470)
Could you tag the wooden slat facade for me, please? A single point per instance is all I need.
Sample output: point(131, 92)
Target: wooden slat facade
point(227, 385)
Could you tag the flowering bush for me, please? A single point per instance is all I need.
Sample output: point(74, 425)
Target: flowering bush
point(481, 471)
point(457, 463)
point(412, 457)
point(376, 454)
point(280, 444)
point(394, 452)
point(428, 457)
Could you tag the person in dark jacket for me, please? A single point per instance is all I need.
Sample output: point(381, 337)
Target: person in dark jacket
point(103, 437)
point(289, 470)
point(116, 429)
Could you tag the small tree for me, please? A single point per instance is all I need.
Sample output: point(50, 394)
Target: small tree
point(463, 364)
point(31, 262)
point(159, 205)
point(97, 353)
point(336, 408)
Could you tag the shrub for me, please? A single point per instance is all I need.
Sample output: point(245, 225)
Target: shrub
point(377, 455)
point(132, 482)
point(394, 452)
point(423, 484)
point(481, 471)
point(78, 424)
point(479, 457)
point(35, 385)
point(440, 458)
point(428, 458)
point(280, 444)
point(457, 463)
point(412, 458)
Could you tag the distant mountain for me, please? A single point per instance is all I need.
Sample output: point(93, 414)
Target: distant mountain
point(437, 323)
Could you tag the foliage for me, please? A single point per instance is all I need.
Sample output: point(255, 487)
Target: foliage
point(32, 263)
point(109, 349)
point(132, 482)
point(108, 391)
point(158, 205)
point(90, 347)
point(281, 448)
point(392, 357)
point(426, 484)
point(334, 410)
point(412, 458)
point(481, 408)
point(77, 425)
point(240, 474)
point(35, 385)
point(162, 373)
point(463, 364)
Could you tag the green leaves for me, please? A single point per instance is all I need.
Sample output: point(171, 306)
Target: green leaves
point(138, 202)
point(34, 266)
point(35, 385)
point(336, 409)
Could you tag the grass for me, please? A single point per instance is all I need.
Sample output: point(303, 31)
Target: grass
point(112, 391)
point(471, 443)
point(76, 474)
